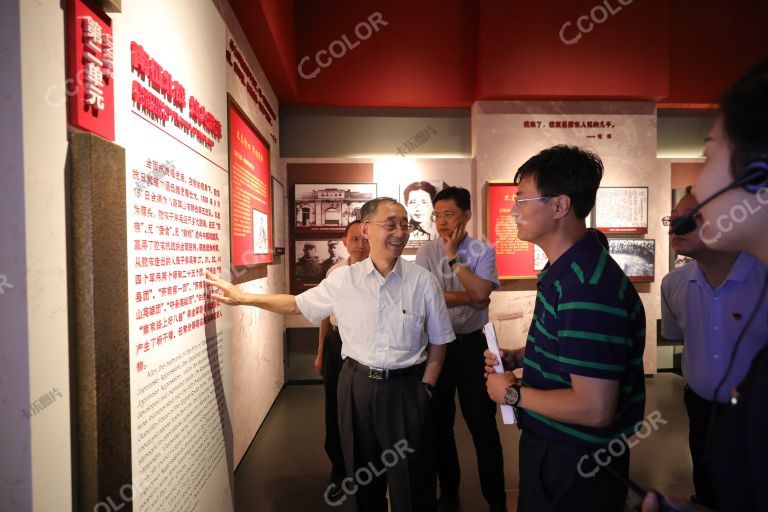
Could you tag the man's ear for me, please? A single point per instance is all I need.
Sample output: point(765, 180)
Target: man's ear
point(364, 230)
point(468, 215)
point(561, 205)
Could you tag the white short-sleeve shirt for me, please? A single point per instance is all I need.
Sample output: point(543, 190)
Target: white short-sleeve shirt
point(384, 322)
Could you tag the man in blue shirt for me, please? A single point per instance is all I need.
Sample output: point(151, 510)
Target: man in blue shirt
point(582, 391)
point(466, 270)
point(706, 304)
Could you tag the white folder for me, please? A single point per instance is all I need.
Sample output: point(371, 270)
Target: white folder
point(507, 411)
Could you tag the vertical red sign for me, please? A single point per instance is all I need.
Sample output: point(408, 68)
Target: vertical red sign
point(90, 84)
point(514, 257)
point(250, 184)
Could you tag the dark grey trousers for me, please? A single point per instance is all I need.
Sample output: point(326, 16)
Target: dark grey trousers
point(387, 440)
point(558, 478)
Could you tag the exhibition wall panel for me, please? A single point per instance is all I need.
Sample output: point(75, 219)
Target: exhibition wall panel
point(623, 134)
point(257, 335)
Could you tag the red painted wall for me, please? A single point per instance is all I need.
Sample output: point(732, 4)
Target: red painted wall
point(712, 42)
point(523, 55)
point(449, 53)
point(423, 56)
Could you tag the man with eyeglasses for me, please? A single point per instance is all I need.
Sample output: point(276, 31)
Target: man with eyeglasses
point(466, 270)
point(705, 303)
point(394, 323)
point(583, 386)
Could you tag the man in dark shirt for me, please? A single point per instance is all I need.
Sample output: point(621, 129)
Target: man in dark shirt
point(582, 393)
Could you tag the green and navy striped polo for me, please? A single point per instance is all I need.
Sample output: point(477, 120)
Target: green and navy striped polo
point(588, 321)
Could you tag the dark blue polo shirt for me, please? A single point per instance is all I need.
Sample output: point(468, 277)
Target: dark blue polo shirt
point(588, 321)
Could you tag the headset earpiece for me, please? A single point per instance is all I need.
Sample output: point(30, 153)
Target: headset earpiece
point(755, 177)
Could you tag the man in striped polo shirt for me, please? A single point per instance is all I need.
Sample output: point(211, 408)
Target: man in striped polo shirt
point(582, 393)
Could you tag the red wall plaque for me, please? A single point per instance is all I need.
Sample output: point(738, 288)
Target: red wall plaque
point(90, 81)
point(250, 195)
point(514, 257)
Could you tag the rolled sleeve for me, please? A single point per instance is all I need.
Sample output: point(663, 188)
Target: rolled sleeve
point(422, 259)
point(438, 322)
point(486, 267)
point(670, 328)
point(317, 303)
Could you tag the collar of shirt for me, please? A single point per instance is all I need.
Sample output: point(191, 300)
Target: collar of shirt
point(463, 247)
point(587, 248)
point(741, 271)
point(369, 269)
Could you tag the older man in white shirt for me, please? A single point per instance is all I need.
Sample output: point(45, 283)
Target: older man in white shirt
point(394, 323)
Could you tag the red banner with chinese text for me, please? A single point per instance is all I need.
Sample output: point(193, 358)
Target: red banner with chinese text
point(514, 257)
point(90, 66)
point(250, 183)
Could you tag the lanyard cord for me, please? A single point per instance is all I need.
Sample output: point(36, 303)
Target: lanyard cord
point(714, 406)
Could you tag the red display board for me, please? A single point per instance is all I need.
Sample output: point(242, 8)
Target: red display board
point(514, 257)
point(250, 195)
point(90, 82)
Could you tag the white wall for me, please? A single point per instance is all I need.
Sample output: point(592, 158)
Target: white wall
point(15, 464)
point(34, 353)
point(257, 343)
point(35, 468)
point(501, 144)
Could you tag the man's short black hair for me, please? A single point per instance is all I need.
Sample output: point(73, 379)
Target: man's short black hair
point(565, 170)
point(745, 109)
point(459, 195)
point(346, 230)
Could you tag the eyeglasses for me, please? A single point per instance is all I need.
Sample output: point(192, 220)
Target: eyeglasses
point(390, 226)
point(449, 216)
point(517, 200)
point(682, 224)
point(669, 219)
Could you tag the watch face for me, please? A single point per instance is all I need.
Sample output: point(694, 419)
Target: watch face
point(510, 397)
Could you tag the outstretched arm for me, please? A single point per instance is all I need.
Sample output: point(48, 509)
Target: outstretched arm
point(282, 304)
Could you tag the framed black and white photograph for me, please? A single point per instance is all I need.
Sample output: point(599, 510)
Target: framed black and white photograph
point(311, 261)
point(417, 198)
point(635, 256)
point(621, 210)
point(328, 208)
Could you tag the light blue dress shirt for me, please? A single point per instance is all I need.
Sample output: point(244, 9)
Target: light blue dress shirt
point(480, 258)
point(710, 320)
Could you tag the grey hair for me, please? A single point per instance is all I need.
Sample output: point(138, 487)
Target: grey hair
point(371, 207)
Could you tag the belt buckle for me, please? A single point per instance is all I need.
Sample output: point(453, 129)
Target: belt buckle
point(377, 373)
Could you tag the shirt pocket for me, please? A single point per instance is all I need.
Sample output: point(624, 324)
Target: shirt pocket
point(412, 331)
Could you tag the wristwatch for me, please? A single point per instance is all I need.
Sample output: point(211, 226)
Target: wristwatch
point(455, 260)
point(430, 389)
point(512, 395)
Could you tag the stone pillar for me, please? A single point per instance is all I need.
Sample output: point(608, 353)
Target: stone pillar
point(100, 315)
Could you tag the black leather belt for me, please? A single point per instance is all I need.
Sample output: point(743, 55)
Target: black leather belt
point(469, 335)
point(383, 373)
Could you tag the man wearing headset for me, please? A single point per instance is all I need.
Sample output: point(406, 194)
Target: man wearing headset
point(705, 303)
point(733, 193)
